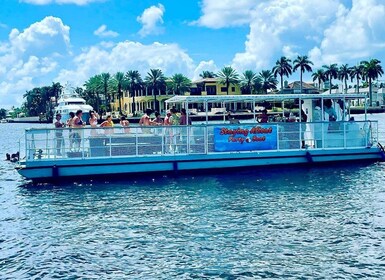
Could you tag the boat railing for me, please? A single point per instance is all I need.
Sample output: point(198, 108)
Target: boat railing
point(136, 141)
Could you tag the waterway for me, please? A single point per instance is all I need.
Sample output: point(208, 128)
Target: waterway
point(277, 223)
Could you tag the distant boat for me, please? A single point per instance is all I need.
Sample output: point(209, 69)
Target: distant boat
point(3, 121)
point(70, 101)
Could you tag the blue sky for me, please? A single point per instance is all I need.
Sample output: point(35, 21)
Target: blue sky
point(42, 41)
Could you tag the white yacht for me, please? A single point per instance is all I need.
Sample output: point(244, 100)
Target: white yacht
point(70, 101)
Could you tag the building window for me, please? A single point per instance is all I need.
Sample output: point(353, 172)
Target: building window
point(223, 89)
point(211, 90)
point(233, 89)
point(195, 91)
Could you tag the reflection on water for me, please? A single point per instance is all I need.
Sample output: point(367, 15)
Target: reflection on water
point(281, 222)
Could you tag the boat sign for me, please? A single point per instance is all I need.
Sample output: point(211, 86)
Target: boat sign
point(245, 138)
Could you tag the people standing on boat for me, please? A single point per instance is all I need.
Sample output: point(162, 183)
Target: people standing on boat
point(263, 117)
point(77, 122)
point(167, 120)
point(108, 124)
point(317, 117)
point(145, 121)
point(93, 120)
point(70, 123)
point(175, 134)
point(125, 124)
point(303, 121)
point(184, 120)
point(59, 135)
point(157, 120)
point(329, 109)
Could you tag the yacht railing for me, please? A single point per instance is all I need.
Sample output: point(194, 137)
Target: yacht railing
point(135, 141)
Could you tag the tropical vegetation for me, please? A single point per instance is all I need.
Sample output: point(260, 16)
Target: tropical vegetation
point(101, 90)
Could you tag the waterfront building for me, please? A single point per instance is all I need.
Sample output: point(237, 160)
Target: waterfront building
point(144, 98)
point(378, 95)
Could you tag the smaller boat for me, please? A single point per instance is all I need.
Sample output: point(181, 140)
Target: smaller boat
point(3, 121)
point(70, 101)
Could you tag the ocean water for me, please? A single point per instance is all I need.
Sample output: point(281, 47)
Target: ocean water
point(274, 223)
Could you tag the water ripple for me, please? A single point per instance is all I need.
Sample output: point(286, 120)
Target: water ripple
point(288, 223)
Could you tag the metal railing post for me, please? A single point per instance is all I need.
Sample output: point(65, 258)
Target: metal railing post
point(136, 142)
point(277, 137)
point(83, 140)
point(345, 134)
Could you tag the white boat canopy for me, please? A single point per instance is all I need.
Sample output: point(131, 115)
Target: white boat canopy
point(258, 98)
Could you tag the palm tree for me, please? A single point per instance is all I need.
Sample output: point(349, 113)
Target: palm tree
point(228, 76)
point(302, 63)
point(372, 70)
point(331, 72)
point(268, 80)
point(344, 75)
point(248, 80)
point(119, 77)
point(134, 80)
point(319, 76)
point(93, 89)
point(357, 72)
point(282, 68)
point(180, 84)
point(207, 74)
point(155, 79)
point(105, 81)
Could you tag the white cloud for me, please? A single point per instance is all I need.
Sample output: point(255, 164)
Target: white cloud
point(356, 33)
point(328, 31)
point(218, 14)
point(170, 58)
point(151, 19)
point(205, 66)
point(46, 2)
point(103, 32)
point(30, 57)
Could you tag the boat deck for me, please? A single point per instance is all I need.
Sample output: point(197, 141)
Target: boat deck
point(62, 144)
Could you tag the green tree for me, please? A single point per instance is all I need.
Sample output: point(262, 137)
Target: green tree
point(134, 81)
point(248, 81)
point(3, 113)
point(207, 74)
point(268, 80)
point(120, 80)
point(372, 70)
point(282, 68)
point(357, 72)
point(155, 79)
point(344, 75)
point(319, 76)
point(93, 92)
point(303, 64)
point(180, 84)
point(228, 76)
point(105, 82)
point(331, 72)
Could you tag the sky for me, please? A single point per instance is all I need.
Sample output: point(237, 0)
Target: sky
point(45, 41)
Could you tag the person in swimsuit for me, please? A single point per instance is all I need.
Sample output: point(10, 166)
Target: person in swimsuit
point(264, 117)
point(146, 121)
point(125, 123)
point(108, 124)
point(59, 135)
point(77, 123)
point(158, 120)
point(70, 122)
point(93, 120)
